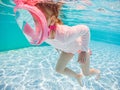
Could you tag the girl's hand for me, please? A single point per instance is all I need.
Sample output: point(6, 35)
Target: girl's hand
point(82, 57)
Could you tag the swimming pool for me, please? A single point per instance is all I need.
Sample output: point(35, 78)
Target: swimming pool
point(32, 68)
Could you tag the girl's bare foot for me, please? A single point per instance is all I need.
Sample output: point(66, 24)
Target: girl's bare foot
point(97, 75)
point(95, 72)
point(79, 79)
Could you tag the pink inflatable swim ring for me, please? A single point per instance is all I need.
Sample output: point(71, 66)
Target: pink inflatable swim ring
point(37, 33)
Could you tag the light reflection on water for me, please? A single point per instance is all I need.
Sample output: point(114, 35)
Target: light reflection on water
point(33, 68)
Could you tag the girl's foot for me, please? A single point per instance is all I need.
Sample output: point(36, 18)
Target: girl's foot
point(79, 79)
point(97, 75)
point(95, 72)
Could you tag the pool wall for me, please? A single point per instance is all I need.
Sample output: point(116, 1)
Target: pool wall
point(11, 37)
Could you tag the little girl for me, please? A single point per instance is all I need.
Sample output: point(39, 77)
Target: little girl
point(69, 40)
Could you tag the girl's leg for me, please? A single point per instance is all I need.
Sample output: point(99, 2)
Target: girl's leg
point(61, 66)
point(86, 68)
point(62, 62)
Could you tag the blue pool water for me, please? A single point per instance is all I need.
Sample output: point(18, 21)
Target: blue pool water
point(32, 68)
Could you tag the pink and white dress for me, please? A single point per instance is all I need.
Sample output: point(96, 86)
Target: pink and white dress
point(71, 39)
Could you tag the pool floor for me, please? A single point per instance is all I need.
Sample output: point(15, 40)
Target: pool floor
point(33, 69)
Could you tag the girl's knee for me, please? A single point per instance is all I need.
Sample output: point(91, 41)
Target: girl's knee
point(58, 70)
